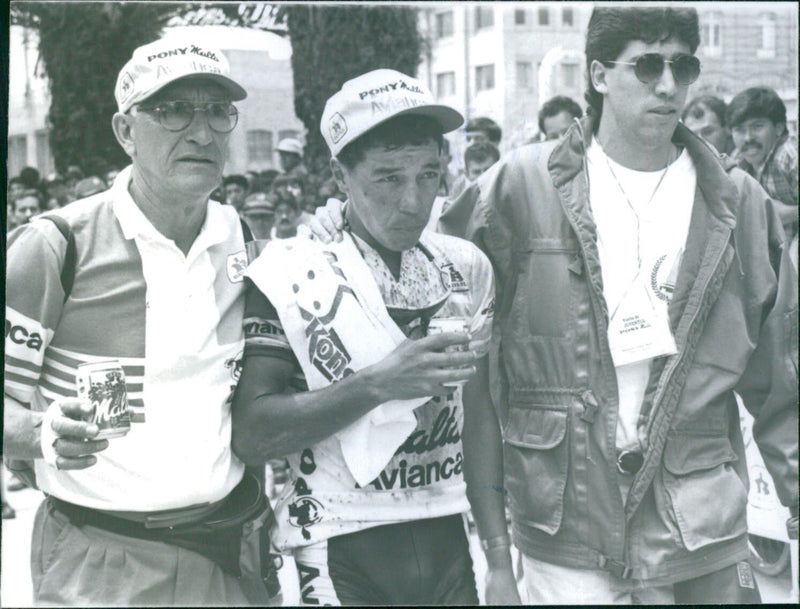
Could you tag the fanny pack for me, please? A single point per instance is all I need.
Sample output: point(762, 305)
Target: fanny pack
point(215, 533)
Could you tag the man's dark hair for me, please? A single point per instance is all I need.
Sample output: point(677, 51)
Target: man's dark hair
point(236, 178)
point(699, 105)
point(30, 177)
point(488, 126)
point(480, 152)
point(403, 130)
point(611, 29)
point(756, 102)
point(557, 105)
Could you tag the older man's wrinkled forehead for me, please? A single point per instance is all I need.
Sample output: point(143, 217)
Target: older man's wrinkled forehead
point(190, 87)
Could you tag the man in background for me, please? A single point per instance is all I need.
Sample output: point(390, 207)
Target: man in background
point(556, 116)
point(290, 151)
point(764, 148)
point(235, 187)
point(705, 115)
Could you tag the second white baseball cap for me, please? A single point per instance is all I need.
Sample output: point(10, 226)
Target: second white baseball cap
point(372, 98)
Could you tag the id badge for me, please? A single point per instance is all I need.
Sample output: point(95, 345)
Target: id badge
point(637, 331)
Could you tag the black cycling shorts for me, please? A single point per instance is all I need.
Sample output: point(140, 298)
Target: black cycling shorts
point(422, 562)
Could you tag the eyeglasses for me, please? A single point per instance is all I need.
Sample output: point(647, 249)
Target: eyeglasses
point(650, 66)
point(176, 115)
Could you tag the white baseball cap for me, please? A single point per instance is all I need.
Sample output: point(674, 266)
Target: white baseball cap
point(372, 98)
point(155, 65)
point(290, 144)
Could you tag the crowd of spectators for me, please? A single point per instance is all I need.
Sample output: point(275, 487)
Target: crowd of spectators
point(752, 130)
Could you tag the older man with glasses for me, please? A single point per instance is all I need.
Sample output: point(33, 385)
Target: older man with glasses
point(147, 279)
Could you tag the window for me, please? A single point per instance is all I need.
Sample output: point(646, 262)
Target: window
point(445, 84)
point(768, 27)
point(484, 77)
point(711, 35)
point(544, 15)
point(444, 24)
point(524, 75)
point(44, 159)
point(519, 16)
point(567, 17)
point(569, 75)
point(484, 17)
point(259, 146)
point(17, 154)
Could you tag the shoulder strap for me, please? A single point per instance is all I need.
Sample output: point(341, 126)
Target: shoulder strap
point(68, 270)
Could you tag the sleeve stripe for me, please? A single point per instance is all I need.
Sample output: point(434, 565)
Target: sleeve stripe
point(63, 359)
point(49, 370)
point(57, 355)
point(46, 383)
point(18, 378)
point(16, 362)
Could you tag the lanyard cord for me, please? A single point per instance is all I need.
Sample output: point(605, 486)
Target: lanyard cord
point(638, 226)
point(633, 209)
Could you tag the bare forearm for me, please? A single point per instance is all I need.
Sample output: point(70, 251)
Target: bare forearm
point(483, 462)
point(272, 425)
point(21, 430)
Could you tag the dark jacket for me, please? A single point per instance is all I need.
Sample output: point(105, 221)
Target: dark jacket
point(734, 317)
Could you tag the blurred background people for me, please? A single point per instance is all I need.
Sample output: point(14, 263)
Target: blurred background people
point(290, 151)
point(478, 158)
point(235, 188)
point(27, 204)
point(705, 115)
point(89, 186)
point(556, 115)
point(287, 212)
point(259, 213)
point(483, 129)
point(57, 191)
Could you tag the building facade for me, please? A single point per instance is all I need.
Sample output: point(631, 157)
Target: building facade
point(504, 60)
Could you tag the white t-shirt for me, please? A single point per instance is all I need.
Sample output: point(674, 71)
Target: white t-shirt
point(659, 235)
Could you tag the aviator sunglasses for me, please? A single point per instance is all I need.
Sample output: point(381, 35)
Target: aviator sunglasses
point(176, 115)
point(650, 66)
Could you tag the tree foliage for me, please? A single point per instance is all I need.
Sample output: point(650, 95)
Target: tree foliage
point(82, 47)
point(332, 44)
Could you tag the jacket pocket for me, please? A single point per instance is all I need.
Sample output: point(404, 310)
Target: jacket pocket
point(706, 497)
point(542, 301)
point(536, 460)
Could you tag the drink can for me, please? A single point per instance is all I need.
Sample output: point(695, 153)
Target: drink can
point(103, 384)
point(441, 325)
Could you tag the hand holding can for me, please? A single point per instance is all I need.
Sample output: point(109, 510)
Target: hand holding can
point(103, 385)
point(450, 324)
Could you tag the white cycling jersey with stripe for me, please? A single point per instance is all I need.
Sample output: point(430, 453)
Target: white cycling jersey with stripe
point(172, 320)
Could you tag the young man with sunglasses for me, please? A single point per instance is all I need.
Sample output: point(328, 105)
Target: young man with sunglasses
point(164, 515)
point(346, 374)
point(641, 282)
